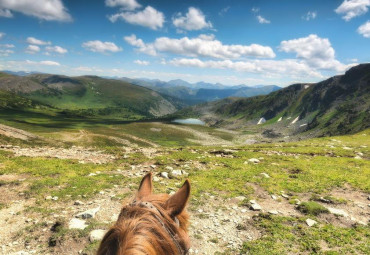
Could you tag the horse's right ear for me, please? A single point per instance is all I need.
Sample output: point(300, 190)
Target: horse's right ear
point(177, 202)
point(146, 186)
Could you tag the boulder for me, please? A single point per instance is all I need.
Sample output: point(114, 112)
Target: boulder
point(97, 235)
point(88, 214)
point(339, 212)
point(311, 222)
point(77, 224)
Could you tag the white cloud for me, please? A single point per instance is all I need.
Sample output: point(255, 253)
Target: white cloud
point(290, 67)
point(5, 52)
point(42, 9)
point(353, 8)
point(7, 46)
point(33, 40)
point(2, 35)
point(203, 45)
point(262, 20)
point(102, 47)
point(310, 15)
point(141, 62)
point(149, 17)
point(364, 29)
point(32, 49)
point(194, 19)
point(142, 47)
point(5, 13)
point(45, 63)
point(124, 4)
point(56, 49)
point(255, 9)
point(224, 10)
point(315, 51)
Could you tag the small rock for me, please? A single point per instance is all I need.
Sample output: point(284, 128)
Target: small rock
point(347, 148)
point(77, 224)
point(55, 198)
point(339, 212)
point(274, 212)
point(240, 198)
point(254, 160)
point(254, 206)
point(153, 166)
point(265, 175)
point(96, 235)
point(311, 222)
point(358, 157)
point(284, 195)
point(78, 202)
point(88, 214)
point(169, 168)
point(164, 175)
point(92, 174)
point(48, 198)
point(156, 179)
point(273, 197)
point(176, 173)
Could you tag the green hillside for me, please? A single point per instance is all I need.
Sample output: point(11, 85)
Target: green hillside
point(91, 96)
point(338, 105)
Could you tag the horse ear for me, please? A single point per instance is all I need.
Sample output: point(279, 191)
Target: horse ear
point(146, 186)
point(177, 202)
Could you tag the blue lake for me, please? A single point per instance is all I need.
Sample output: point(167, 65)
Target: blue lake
point(189, 121)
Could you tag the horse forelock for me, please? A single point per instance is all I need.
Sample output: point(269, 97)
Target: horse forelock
point(139, 231)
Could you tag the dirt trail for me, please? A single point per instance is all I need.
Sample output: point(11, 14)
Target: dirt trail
point(16, 133)
point(84, 155)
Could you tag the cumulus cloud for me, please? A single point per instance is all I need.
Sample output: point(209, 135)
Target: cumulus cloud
point(255, 9)
point(149, 17)
point(203, 45)
point(7, 46)
point(6, 13)
point(56, 49)
point(315, 51)
point(101, 47)
point(45, 63)
point(33, 40)
point(291, 67)
point(141, 46)
point(310, 15)
point(141, 62)
point(5, 52)
point(350, 9)
point(43, 9)
point(2, 35)
point(32, 49)
point(262, 20)
point(124, 4)
point(364, 29)
point(194, 19)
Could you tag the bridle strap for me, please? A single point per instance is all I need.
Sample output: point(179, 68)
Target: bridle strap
point(168, 230)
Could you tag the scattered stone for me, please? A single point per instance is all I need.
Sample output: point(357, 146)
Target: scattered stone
point(274, 212)
point(265, 175)
point(96, 235)
point(240, 198)
point(156, 179)
point(55, 198)
point(48, 198)
point(347, 148)
point(285, 195)
point(273, 197)
point(77, 224)
point(358, 157)
point(92, 174)
point(88, 214)
point(164, 175)
point(368, 198)
point(254, 206)
point(254, 160)
point(78, 202)
point(153, 166)
point(311, 222)
point(169, 168)
point(339, 212)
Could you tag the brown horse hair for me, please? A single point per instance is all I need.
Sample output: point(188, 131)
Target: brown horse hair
point(150, 230)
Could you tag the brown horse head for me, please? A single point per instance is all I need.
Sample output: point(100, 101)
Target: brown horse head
point(151, 224)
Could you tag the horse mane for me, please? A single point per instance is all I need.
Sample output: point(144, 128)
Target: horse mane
point(144, 231)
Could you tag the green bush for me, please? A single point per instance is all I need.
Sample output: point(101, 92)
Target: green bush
point(312, 208)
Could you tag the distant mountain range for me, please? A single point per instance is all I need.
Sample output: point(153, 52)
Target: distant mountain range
point(338, 105)
point(87, 96)
point(194, 93)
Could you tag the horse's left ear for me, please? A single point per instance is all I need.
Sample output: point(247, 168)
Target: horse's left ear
point(177, 202)
point(146, 186)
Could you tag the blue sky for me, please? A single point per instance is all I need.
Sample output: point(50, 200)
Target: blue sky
point(227, 41)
